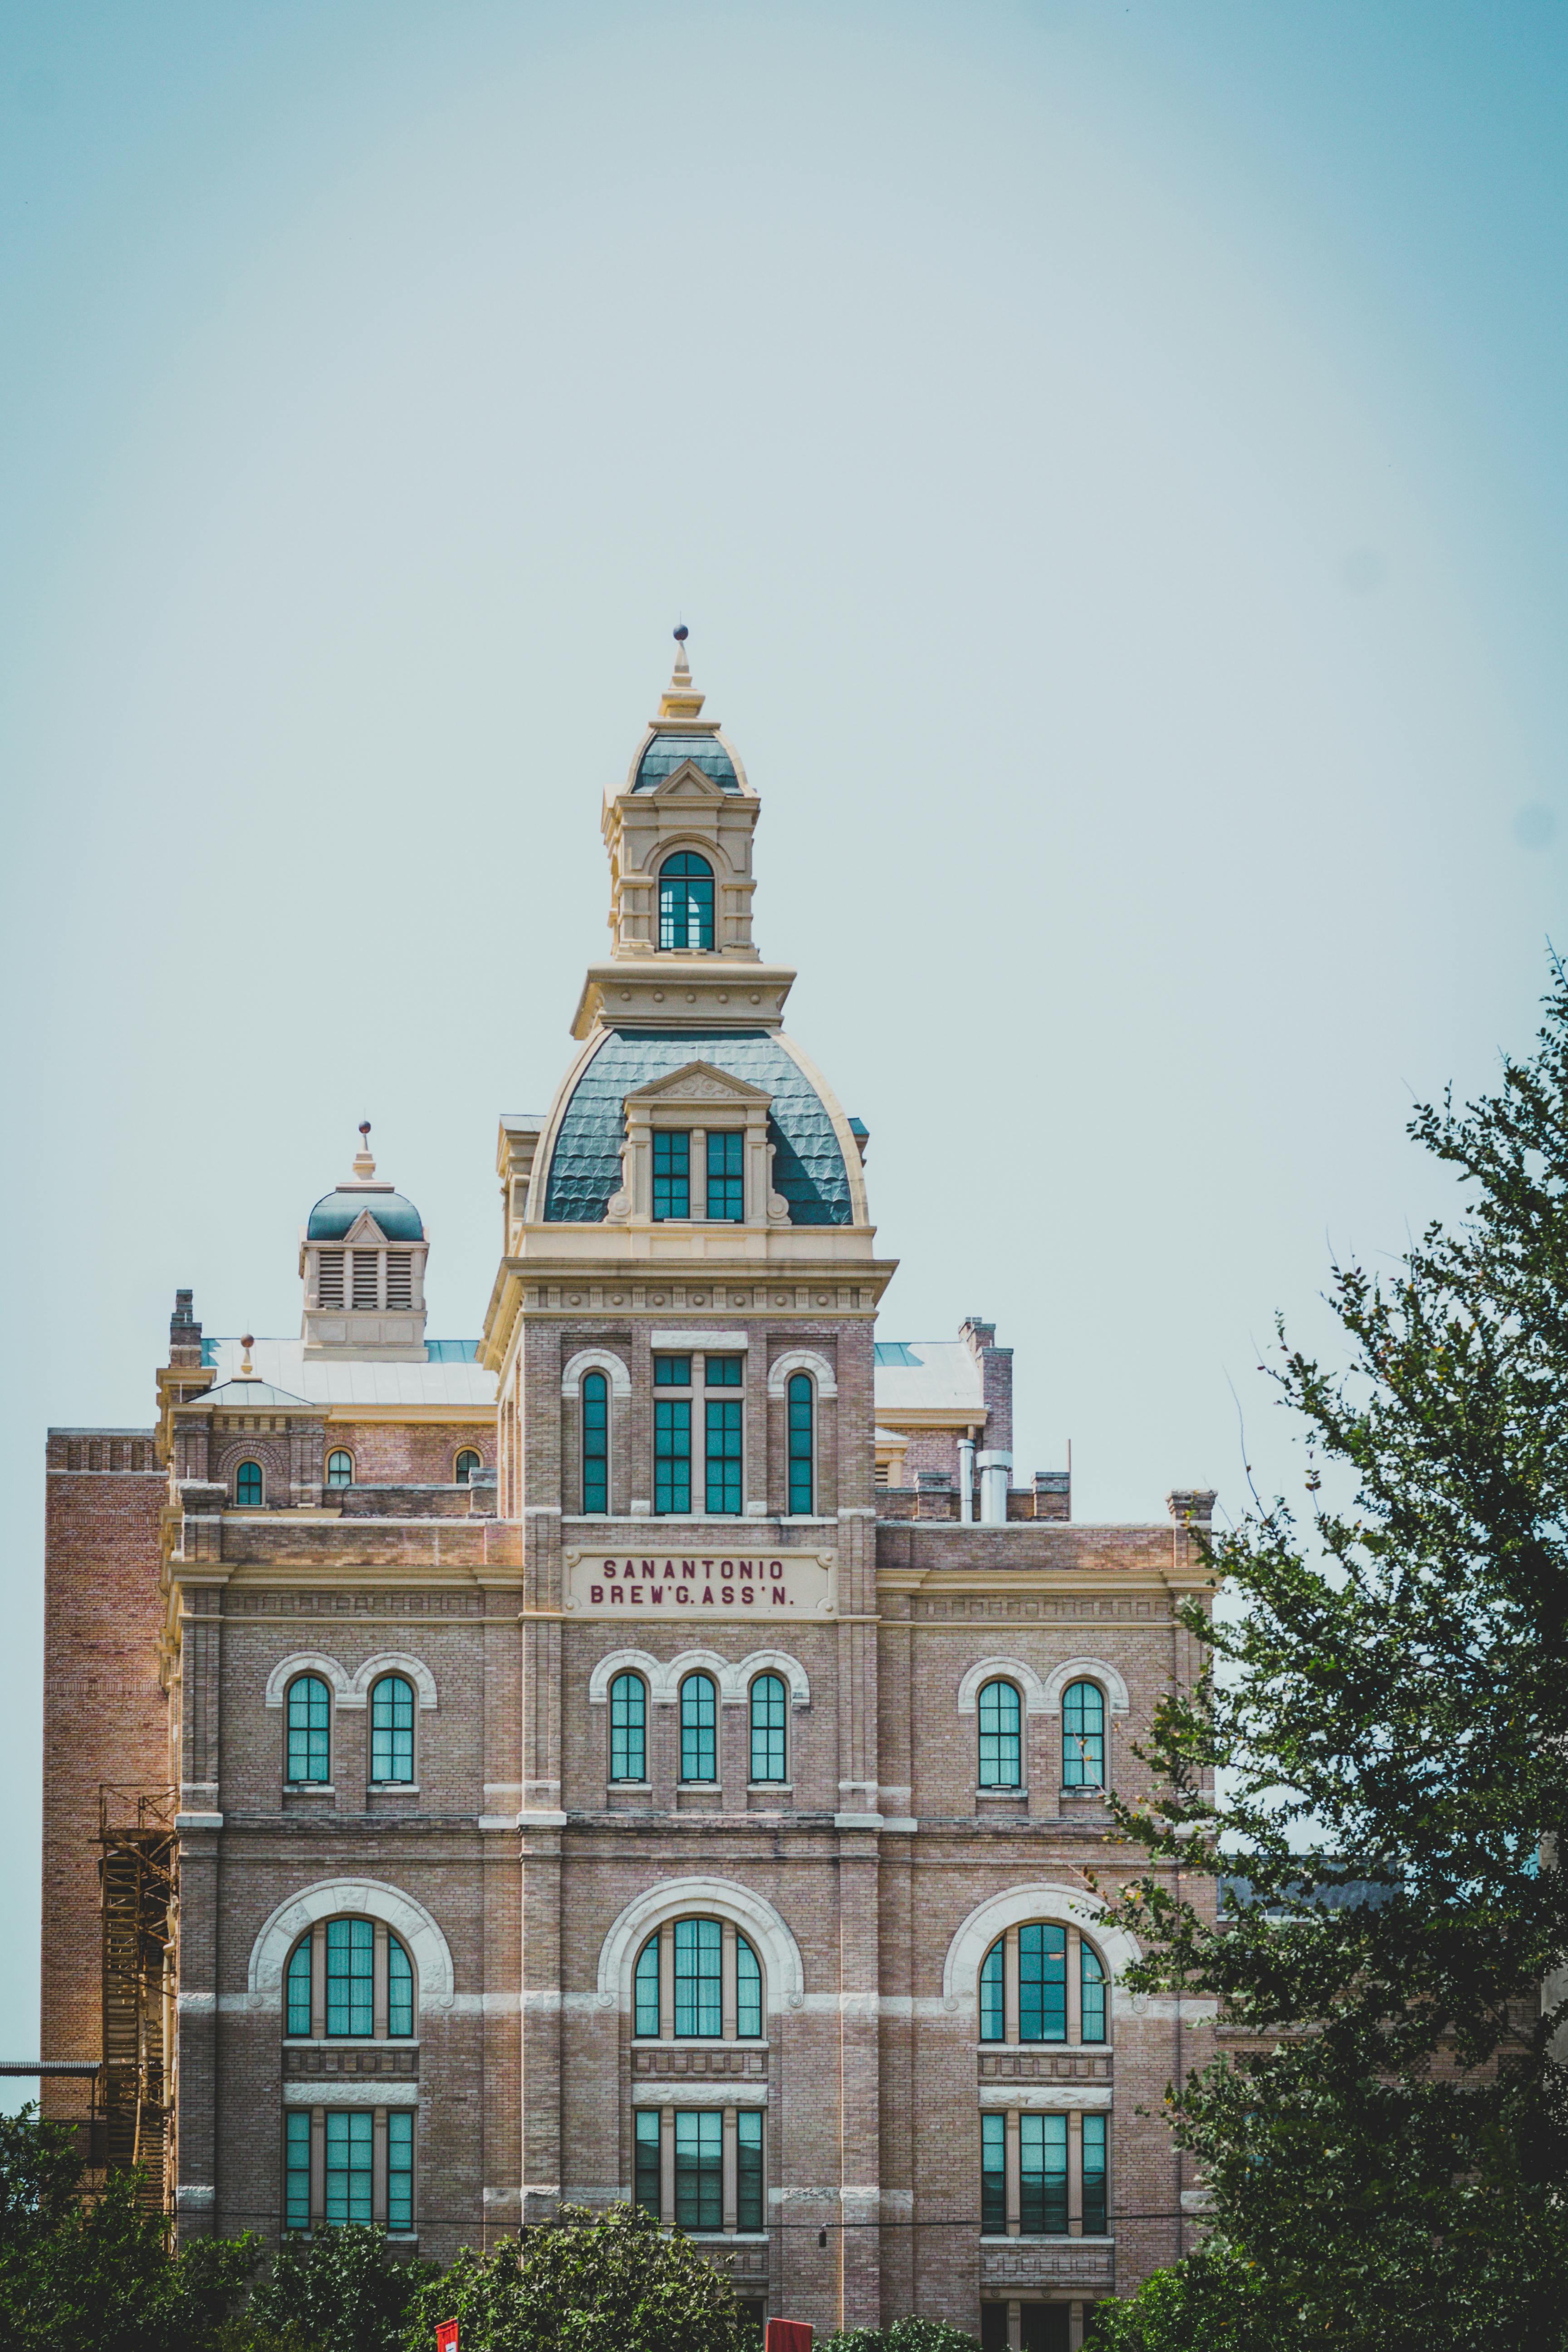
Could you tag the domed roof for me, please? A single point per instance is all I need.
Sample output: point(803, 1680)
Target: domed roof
point(335, 1213)
point(663, 753)
point(809, 1167)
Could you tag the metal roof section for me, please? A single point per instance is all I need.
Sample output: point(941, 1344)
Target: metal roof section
point(664, 752)
point(461, 1384)
point(254, 1396)
point(336, 1214)
point(586, 1164)
point(928, 1376)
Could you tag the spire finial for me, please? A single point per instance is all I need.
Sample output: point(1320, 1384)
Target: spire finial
point(678, 700)
point(247, 1343)
point(364, 1166)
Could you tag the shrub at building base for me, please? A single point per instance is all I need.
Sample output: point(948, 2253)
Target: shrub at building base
point(586, 2282)
point(903, 2335)
point(348, 2290)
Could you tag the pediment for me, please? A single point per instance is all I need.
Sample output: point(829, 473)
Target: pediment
point(687, 778)
point(698, 1083)
point(366, 1232)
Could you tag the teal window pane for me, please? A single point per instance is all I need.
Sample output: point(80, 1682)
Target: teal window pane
point(723, 1371)
point(748, 1992)
point(994, 2175)
point(685, 901)
point(726, 1184)
point(1091, 1979)
point(628, 1728)
point(392, 1729)
point(647, 2185)
point(1042, 1984)
point(699, 1730)
point(671, 1173)
point(248, 1487)
point(1001, 1740)
point(749, 2195)
point(698, 2011)
point(801, 1478)
point(769, 1701)
point(299, 1989)
point(339, 1470)
point(993, 1994)
point(671, 1455)
point(351, 1961)
point(400, 2169)
point(1096, 2218)
point(645, 1992)
point(699, 2169)
point(595, 1442)
point(1041, 2175)
point(399, 1990)
point(309, 1730)
point(297, 2169)
point(672, 1371)
point(722, 1461)
point(349, 2161)
point(466, 1464)
point(1083, 1737)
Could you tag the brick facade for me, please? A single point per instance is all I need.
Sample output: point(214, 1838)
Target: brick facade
point(575, 1918)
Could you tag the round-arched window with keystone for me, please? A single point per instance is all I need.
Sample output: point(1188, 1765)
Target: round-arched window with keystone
point(249, 1487)
point(697, 1980)
point(685, 901)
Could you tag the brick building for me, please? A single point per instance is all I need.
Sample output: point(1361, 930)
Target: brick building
point(653, 1751)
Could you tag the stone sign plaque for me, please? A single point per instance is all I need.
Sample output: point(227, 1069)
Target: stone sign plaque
point(701, 1586)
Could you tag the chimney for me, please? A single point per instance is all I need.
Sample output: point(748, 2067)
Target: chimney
point(184, 1333)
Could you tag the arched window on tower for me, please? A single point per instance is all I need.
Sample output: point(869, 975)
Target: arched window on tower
point(1083, 1737)
point(339, 1468)
point(309, 1731)
point(1001, 1737)
point(595, 1442)
point(699, 1728)
point(686, 901)
point(769, 1704)
point(392, 1729)
point(467, 1463)
point(249, 1491)
point(628, 1728)
point(802, 1449)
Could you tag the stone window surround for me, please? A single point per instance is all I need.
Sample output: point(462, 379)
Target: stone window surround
point(1042, 1698)
point(1016, 1906)
point(351, 1695)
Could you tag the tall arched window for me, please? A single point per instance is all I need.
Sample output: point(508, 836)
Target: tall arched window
point(595, 1442)
point(1001, 1737)
point(1083, 1737)
point(339, 1469)
point(770, 1701)
point(467, 1463)
point(628, 1728)
point(351, 1979)
point(392, 1729)
point(686, 901)
point(801, 1450)
point(699, 1728)
point(1025, 1976)
point(697, 1980)
point(248, 1488)
point(309, 1731)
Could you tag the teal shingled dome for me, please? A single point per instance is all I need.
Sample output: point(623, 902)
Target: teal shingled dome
point(665, 753)
point(335, 1213)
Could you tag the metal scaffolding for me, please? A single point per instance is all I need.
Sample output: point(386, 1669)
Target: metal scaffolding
point(138, 1884)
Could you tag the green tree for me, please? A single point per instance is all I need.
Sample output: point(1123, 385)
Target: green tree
point(585, 2282)
point(347, 2290)
point(1389, 1697)
point(903, 2335)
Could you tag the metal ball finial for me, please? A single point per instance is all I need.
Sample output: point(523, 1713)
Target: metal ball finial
point(681, 633)
point(364, 1126)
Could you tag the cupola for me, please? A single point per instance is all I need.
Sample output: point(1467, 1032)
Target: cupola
point(361, 1259)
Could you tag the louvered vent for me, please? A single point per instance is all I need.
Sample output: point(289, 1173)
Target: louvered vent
point(366, 1292)
point(329, 1278)
point(399, 1278)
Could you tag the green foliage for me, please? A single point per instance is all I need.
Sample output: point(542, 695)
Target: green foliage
point(346, 2290)
point(1390, 1704)
point(903, 2335)
point(93, 2273)
point(1214, 2301)
point(587, 2281)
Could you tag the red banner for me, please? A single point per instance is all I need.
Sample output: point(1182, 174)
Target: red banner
point(788, 2336)
point(447, 2335)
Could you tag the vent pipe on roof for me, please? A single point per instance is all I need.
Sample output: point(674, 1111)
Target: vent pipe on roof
point(995, 1476)
point(966, 1479)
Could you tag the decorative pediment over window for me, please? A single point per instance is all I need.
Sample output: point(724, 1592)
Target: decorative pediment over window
point(695, 1086)
point(698, 1100)
point(687, 778)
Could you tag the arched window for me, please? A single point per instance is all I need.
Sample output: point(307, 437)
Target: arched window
point(1083, 1737)
point(1001, 1737)
point(595, 1442)
point(801, 1480)
point(707, 1985)
point(349, 1977)
point(468, 1462)
point(249, 1489)
point(628, 1730)
point(769, 1702)
point(339, 1469)
point(392, 1729)
point(686, 901)
point(309, 1731)
point(1026, 1972)
point(699, 1728)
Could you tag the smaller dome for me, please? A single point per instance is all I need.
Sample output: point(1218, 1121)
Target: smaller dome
point(335, 1213)
point(662, 755)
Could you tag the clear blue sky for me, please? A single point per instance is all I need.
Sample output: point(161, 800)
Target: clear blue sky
point(1112, 462)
